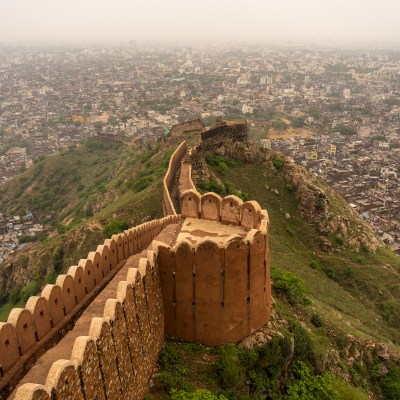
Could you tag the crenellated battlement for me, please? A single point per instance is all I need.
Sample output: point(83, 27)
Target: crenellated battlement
point(29, 332)
point(202, 275)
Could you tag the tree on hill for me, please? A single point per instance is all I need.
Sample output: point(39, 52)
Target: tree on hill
point(297, 122)
point(344, 130)
point(98, 126)
point(280, 125)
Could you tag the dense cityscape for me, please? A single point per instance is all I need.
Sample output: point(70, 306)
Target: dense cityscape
point(334, 111)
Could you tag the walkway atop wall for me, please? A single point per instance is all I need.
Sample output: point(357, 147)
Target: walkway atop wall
point(194, 230)
point(38, 373)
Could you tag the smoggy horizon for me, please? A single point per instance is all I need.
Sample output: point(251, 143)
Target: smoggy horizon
point(178, 21)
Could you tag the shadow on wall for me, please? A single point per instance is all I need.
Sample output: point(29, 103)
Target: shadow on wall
point(174, 165)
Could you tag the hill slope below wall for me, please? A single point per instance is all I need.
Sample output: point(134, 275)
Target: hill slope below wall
point(75, 194)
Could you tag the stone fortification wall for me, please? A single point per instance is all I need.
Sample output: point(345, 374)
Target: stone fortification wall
point(29, 332)
point(173, 167)
point(186, 129)
point(185, 177)
point(116, 360)
point(221, 131)
point(217, 292)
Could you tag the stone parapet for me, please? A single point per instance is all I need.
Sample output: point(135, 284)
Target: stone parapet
point(117, 358)
point(31, 331)
point(228, 210)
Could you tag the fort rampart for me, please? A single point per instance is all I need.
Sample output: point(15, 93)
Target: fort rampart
point(29, 332)
point(217, 290)
point(173, 168)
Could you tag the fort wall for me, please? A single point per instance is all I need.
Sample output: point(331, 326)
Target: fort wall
point(29, 332)
point(222, 131)
point(208, 287)
point(173, 168)
point(217, 291)
point(116, 359)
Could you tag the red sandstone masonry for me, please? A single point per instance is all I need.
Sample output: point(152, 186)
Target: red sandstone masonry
point(215, 293)
point(46, 318)
point(117, 359)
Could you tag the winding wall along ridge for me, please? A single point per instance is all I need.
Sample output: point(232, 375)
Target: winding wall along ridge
point(214, 291)
point(173, 166)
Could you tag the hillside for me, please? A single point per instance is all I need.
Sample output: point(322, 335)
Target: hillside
point(336, 307)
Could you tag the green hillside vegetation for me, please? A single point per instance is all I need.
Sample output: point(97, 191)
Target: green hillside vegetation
point(76, 193)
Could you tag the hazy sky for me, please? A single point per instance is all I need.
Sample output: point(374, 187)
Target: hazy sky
point(261, 20)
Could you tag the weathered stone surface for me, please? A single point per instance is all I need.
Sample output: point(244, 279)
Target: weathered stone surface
point(95, 258)
point(78, 276)
point(231, 207)
point(190, 204)
point(184, 320)
point(63, 381)
point(88, 272)
point(39, 308)
point(211, 206)
point(100, 330)
point(85, 357)
point(66, 283)
point(32, 391)
point(9, 352)
point(236, 321)
point(24, 328)
point(53, 295)
point(208, 293)
point(126, 295)
point(114, 313)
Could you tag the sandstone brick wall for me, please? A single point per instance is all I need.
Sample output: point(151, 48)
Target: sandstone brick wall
point(228, 210)
point(211, 292)
point(173, 167)
point(215, 293)
point(30, 331)
point(116, 360)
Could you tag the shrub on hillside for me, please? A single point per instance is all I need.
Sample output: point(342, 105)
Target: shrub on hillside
point(317, 321)
point(391, 385)
point(114, 227)
point(200, 394)
point(227, 368)
point(289, 286)
point(31, 289)
point(278, 163)
point(346, 391)
point(211, 186)
point(309, 386)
